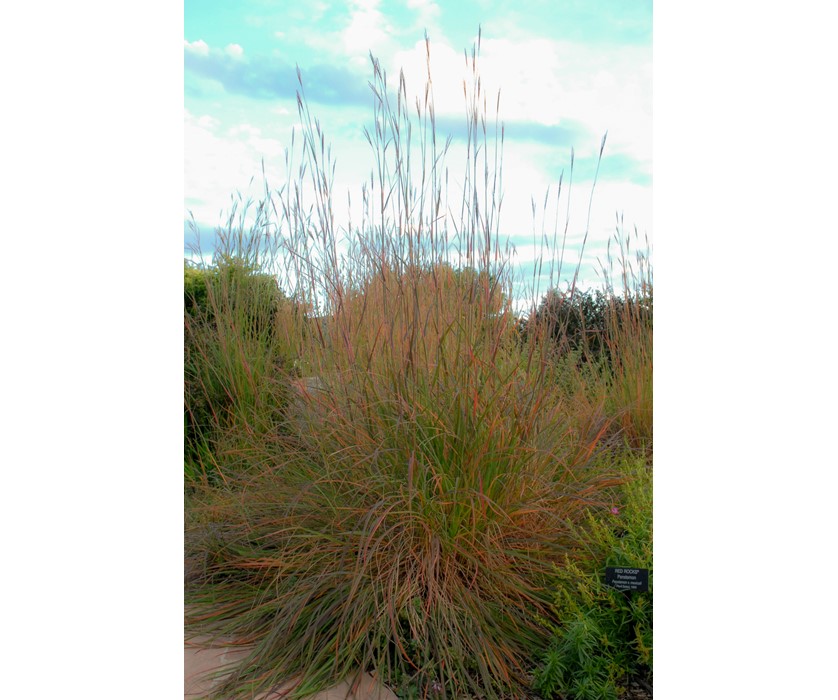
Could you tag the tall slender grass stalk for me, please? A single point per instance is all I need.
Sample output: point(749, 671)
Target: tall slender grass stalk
point(629, 337)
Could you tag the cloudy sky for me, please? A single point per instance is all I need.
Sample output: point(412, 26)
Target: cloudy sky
point(568, 71)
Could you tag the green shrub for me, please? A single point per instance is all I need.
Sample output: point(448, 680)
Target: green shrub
point(575, 322)
point(603, 636)
point(234, 359)
point(195, 282)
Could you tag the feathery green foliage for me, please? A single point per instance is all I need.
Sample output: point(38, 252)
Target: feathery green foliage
point(603, 636)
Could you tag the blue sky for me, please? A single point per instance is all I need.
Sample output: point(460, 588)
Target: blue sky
point(567, 72)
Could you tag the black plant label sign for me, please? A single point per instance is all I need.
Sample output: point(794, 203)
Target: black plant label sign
point(627, 579)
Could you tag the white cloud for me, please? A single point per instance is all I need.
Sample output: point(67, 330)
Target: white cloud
point(368, 30)
point(448, 71)
point(428, 14)
point(542, 80)
point(545, 81)
point(525, 181)
point(234, 51)
point(606, 88)
point(217, 166)
point(207, 122)
point(197, 47)
point(247, 130)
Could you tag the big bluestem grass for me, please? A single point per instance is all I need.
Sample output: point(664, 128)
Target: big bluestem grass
point(629, 339)
point(407, 516)
point(601, 342)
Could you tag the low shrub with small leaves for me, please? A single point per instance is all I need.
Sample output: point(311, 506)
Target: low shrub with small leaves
point(604, 636)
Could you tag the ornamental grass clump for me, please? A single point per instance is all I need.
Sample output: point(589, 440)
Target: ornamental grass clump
point(407, 517)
